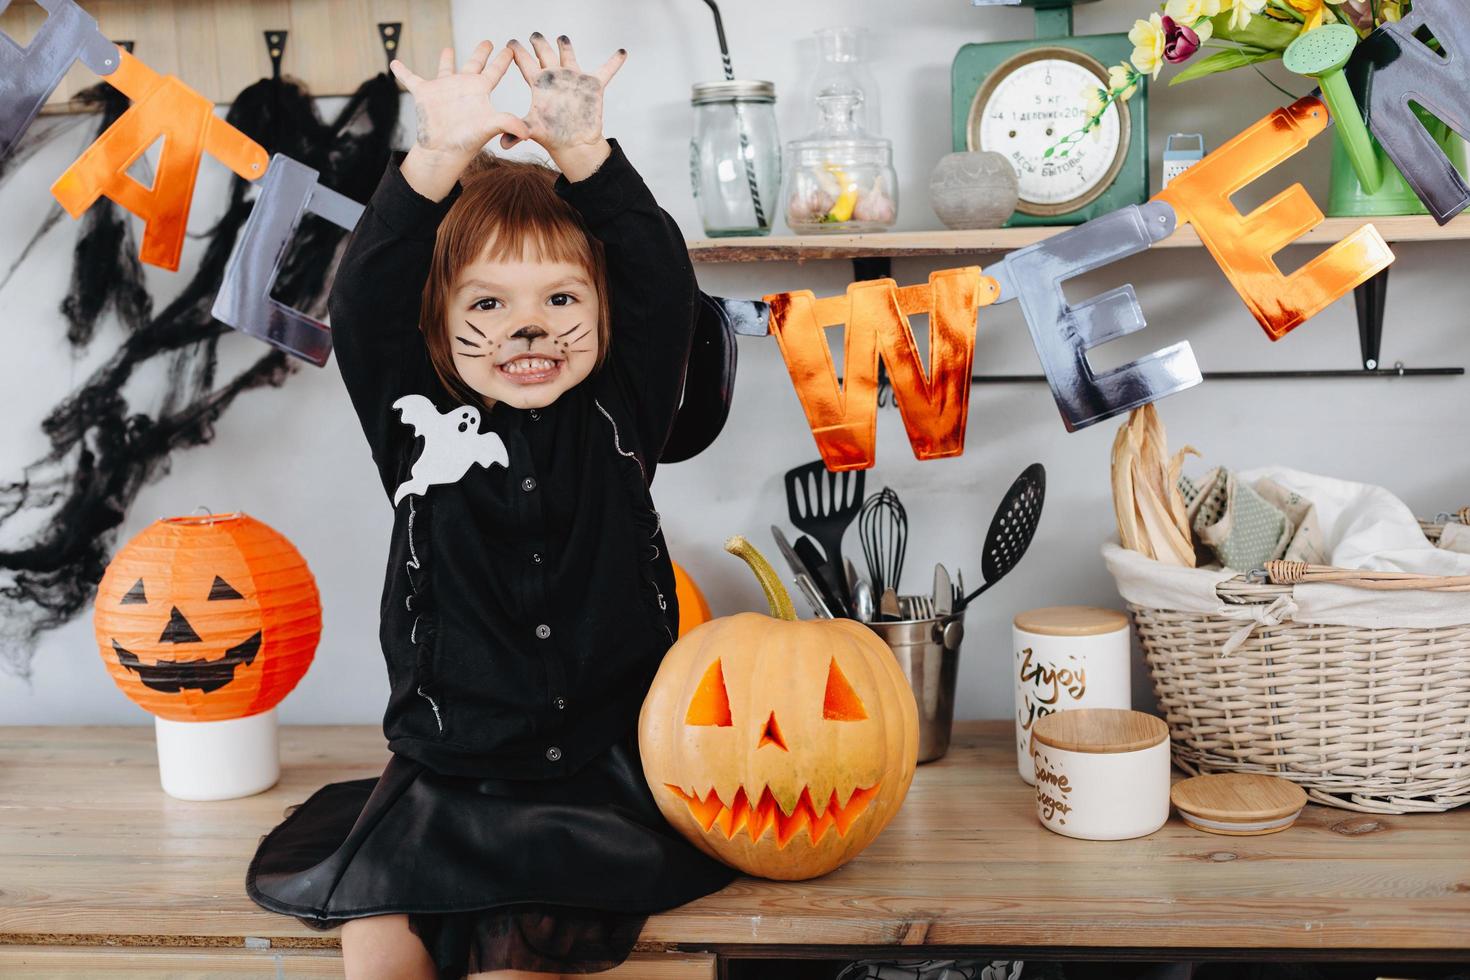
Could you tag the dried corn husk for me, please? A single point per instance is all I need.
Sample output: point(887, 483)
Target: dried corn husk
point(1146, 498)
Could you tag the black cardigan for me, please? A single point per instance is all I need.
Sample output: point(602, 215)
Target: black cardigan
point(529, 595)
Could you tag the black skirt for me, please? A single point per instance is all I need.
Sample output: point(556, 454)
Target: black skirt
point(555, 876)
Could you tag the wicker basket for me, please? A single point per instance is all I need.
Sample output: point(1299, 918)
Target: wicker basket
point(1376, 720)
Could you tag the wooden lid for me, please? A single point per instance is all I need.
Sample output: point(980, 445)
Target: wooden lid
point(1099, 730)
point(1238, 802)
point(1071, 620)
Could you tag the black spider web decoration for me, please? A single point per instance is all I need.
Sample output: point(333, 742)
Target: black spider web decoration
point(103, 448)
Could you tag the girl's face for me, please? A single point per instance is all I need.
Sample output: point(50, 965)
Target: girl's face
point(523, 331)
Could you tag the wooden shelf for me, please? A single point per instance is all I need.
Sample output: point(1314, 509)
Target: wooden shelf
point(898, 244)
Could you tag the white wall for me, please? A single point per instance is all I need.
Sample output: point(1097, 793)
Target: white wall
point(294, 458)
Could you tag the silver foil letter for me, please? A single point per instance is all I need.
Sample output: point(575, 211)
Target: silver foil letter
point(28, 75)
point(288, 191)
point(1063, 333)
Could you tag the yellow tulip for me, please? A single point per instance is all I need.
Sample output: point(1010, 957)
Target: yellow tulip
point(1148, 44)
point(1314, 10)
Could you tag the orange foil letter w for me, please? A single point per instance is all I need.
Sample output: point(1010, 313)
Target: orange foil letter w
point(934, 404)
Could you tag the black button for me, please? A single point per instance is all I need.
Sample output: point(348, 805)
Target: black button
point(535, 415)
point(553, 753)
point(543, 631)
point(528, 484)
point(560, 702)
point(535, 558)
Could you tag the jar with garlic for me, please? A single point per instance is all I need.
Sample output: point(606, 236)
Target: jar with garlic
point(840, 178)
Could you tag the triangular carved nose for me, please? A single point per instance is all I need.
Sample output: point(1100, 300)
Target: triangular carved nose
point(178, 629)
point(772, 734)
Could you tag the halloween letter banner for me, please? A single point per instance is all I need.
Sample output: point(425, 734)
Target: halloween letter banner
point(1402, 80)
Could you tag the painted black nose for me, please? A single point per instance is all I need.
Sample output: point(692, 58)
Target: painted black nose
point(529, 333)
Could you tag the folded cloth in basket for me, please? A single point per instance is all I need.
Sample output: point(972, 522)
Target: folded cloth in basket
point(1361, 526)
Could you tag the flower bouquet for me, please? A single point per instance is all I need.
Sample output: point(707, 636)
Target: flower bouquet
point(1207, 37)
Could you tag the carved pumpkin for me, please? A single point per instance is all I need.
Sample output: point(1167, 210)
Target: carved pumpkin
point(207, 618)
point(778, 746)
point(693, 609)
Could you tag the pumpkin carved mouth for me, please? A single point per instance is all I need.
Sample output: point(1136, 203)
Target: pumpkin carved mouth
point(755, 820)
point(172, 676)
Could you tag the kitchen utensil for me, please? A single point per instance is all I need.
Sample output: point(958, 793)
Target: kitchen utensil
point(883, 526)
point(850, 575)
point(862, 601)
point(787, 552)
point(888, 604)
point(943, 591)
point(820, 571)
point(813, 595)
point(1012, 528)
point(823, 504)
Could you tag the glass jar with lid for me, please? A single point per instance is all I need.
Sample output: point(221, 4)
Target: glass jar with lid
point(840, 178)
point(735, 156)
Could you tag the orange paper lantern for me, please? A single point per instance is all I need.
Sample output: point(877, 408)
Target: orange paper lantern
point(207, 618)
point(693, 609)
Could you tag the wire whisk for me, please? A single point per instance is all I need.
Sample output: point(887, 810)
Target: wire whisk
point(883, 525)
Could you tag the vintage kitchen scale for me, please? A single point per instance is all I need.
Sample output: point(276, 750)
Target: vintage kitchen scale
point(1020, 97)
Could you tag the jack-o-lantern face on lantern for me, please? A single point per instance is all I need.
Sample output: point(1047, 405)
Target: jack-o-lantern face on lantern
point(209, 618)
point(779, 747)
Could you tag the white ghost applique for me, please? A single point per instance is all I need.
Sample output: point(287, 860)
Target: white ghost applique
point(453, 443)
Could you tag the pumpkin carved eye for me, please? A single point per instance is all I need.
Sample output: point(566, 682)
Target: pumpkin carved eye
point(841, 702)
point(711, 702)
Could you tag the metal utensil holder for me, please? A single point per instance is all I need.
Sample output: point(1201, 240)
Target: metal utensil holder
point(927, 648)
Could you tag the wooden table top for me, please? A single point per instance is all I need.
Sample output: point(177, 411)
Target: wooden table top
point(91, 848)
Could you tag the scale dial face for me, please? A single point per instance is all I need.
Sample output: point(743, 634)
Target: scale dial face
point(1029, 103)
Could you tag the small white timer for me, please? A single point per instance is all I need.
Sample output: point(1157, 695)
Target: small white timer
point(1032, 101)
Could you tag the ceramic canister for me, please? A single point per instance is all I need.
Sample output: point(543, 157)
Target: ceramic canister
point(1101, 773)
point(1067, 657)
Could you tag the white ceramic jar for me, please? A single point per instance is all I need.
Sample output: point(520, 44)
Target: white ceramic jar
point(1067, 657)
point(1101, 773)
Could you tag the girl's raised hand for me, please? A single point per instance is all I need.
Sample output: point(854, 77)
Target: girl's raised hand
point(566, 103)
point(454, 109)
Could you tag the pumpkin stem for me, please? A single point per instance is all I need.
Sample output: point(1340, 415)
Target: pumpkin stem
point(776, 595)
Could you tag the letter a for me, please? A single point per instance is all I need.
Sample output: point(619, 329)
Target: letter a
point(162, 106)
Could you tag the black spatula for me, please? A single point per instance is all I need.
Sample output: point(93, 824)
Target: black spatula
point(1012, 528)
point(823, 504)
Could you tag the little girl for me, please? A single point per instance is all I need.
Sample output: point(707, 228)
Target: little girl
point(514, 343)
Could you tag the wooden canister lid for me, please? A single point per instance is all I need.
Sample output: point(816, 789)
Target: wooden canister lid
point(1100, 730)
point(1071, 621)
point(1240, 804)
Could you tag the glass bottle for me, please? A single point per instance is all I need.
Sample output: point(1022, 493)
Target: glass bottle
point(735, 157)
point(843, 70)
point(840, 178)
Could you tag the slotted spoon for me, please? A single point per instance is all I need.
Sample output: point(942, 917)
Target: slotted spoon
point(1011, 529)
point(823, 504)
